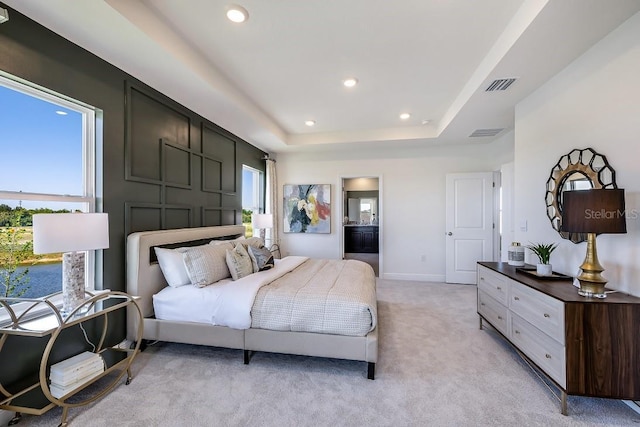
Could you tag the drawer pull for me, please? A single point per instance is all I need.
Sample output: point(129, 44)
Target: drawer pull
point(517, 331)
point(499, 317)
point(481, 303)
point(482, 278)
point(516, 298)
point(499, 288)
point(548, 356)
point(547, 315)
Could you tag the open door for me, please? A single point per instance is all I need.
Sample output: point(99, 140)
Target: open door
point(469, 224)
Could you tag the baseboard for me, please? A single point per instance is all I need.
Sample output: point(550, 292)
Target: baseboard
point(635, 405)
point(414, 277)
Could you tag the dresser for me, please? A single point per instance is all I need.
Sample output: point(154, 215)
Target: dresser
point(586, 346)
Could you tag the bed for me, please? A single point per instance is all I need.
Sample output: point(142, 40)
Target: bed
point(264, 331)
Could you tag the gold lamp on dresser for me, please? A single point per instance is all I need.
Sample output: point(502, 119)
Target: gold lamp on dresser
point(596, 211)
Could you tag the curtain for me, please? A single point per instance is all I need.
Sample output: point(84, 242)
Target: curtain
point(271, 205)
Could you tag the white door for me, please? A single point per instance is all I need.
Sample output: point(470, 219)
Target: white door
point(469, 222)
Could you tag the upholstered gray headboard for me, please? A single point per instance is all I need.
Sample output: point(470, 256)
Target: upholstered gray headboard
point(144, 277)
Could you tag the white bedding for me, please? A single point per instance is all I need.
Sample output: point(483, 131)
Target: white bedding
point(225, 303)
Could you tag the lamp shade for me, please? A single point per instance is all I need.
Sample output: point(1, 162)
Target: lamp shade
point(262, 221)
point(70, 232)
point(596, 211)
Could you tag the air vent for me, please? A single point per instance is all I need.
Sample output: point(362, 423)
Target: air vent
point(500, 84)
point(478, 133)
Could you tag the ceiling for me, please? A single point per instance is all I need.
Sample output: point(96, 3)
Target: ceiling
point(264, 78)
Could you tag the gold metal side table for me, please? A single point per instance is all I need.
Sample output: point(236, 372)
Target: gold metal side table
point(41, 318)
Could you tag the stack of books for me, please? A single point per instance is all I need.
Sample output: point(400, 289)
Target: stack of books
point(74, 372)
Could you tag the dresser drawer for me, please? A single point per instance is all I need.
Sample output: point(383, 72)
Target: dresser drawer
point(542, 311)
point(493, 311)
point(545, 352)
point(494, 284)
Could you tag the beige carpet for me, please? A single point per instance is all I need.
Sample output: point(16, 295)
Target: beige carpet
point(436, 368)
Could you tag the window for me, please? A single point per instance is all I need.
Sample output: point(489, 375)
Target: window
point(252, 195)
point(48, 164)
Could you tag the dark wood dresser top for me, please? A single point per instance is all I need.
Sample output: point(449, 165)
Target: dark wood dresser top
point(559, 289)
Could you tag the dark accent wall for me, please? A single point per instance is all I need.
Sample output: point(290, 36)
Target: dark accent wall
point(164, 165)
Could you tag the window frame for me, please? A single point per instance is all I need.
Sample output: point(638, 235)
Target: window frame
point(91, 171)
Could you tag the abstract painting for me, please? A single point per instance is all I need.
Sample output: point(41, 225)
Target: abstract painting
point(307, 208)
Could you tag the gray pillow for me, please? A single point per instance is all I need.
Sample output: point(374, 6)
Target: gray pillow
point(206, 264)
point(239, 262)
point(261, 258)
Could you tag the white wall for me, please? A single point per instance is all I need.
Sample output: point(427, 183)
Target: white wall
point(412, 201)
point(594, 102)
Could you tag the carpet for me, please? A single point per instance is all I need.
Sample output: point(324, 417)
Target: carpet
point(435, 368)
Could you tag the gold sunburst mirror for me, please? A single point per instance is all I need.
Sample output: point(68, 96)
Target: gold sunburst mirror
point(580, 169)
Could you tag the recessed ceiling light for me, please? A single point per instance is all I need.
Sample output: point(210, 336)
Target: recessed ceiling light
point(237, 13)
point(62, 113)
point(405, 116)
point(350, 82)
point(310, 122)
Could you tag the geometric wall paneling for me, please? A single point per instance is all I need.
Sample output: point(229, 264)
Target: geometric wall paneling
point(211, 217)
point(229, 216)
point(148, 120)
point(228, 200)
point(142, 217)
point(177, 217)
point(218, 144)
point(176, 165)
point(182, 196)
point(211, 174)
point(142, 192)
point(156, 216)
point(214, 216)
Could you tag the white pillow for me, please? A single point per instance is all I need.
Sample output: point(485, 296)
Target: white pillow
point(206, 264)
point(172, 266)
point(239, 262)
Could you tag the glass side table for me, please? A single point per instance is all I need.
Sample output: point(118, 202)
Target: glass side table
point(41, 319)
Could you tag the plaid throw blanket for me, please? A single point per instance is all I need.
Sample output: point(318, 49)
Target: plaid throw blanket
point(323, 296)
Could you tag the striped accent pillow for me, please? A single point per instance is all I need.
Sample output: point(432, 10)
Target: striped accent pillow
point(207, 264)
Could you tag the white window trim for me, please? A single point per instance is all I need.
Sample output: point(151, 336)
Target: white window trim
point(90, 184)
point(258, 189)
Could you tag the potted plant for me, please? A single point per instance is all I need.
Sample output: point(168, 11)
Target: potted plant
point(543, 252)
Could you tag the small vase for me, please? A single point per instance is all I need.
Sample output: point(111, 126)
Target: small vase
point(544, 269)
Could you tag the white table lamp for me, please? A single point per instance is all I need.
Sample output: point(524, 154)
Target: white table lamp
point(72, 234)
point(262, 222)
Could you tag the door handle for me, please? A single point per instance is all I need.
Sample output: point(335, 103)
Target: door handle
point(449, 234)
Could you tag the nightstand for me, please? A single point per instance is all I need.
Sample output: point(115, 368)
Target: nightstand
point(42, 319)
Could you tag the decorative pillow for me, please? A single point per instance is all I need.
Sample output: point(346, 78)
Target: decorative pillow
point(261, 258)
point(222, 242)
point(172, 266)
point(239, 262)
point(256, 242)
point(206, 264)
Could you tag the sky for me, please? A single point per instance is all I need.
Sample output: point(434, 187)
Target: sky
point(40, 150)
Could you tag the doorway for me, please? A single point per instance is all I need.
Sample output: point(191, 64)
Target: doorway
point(362, 220)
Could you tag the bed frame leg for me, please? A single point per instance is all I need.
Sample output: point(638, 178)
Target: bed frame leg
point(247, 357)
point(371, 370)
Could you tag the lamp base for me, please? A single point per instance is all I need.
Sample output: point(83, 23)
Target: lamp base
point(591, 290)
point(591, 280)
point(73, 293)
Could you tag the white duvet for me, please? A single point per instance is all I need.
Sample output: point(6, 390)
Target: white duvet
point(225, 303)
